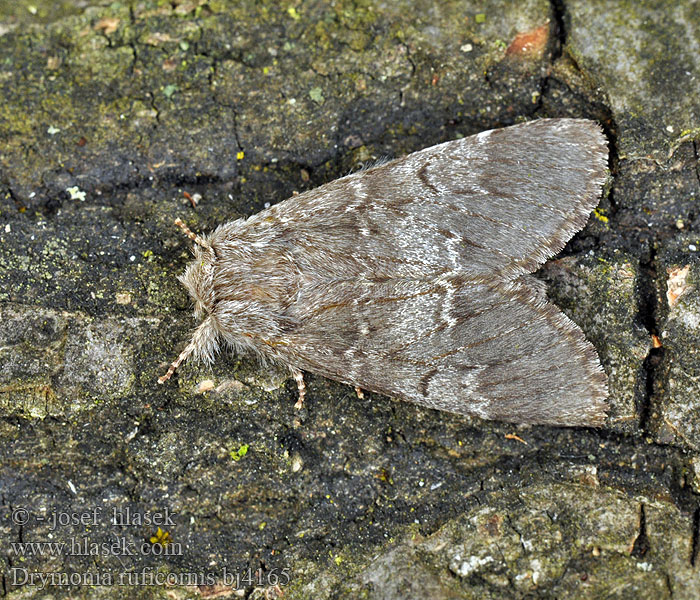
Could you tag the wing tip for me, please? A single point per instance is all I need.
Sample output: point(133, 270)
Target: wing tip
point(593, 410)
point(587, 406)
point(591, 140)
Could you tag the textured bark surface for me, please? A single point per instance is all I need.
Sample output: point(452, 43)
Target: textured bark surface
point(109, 111)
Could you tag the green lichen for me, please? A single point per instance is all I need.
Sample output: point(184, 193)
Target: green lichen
point(316, 94)
point(239, 453)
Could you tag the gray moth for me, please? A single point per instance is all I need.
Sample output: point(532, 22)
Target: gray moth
point(413, 278)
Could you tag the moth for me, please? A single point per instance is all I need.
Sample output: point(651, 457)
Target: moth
point(413, 278)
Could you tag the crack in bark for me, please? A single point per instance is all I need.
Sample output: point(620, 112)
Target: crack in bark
point(695, 541)
point(691, 215)
point(641, 544)
point(559, 18)
point(648, 311)
point(558, 33)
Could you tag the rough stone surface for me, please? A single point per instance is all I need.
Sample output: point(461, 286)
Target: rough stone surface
point(642, 55)
point(572, 540)
point(674, 416)
point(109, 111)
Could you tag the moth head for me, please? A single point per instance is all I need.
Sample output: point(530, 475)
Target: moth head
point(198, 278)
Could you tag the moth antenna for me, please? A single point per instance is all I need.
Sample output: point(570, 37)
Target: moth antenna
point(178, 361)
point(190, 234)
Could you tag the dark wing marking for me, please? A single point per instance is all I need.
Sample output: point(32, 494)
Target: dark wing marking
point(494, 351)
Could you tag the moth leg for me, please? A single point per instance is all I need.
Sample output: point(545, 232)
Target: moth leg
point(301, 386)
point(177, 362)
point(359, 392)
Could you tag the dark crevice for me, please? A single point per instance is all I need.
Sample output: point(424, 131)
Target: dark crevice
point(542, 90)
point(697, 161)
point(18, 203)
point(695, 544)
point(641, 544)
point(559, 28)
point(134, 60)
point(669, 583)
point(648, 309)
point(607, 122)
point(510, 523)
point(410, 60)
point(235, 130)
point(558, 39)
point(151, 99)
